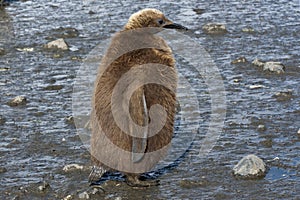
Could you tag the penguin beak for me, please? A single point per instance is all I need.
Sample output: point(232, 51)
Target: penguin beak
point(175, 26)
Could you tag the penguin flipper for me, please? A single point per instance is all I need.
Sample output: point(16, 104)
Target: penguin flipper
point(140, 113)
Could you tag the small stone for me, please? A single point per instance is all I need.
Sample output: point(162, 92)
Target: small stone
point(258, 63)
point(69, 197)
point(2, 52)
point(283, 95)
point(74, 48)
point(250, 166)
point(53, 5)
point(15, 141)
point(57, 55)
point(3, 170)
point(96, 189)
point(16, 198)
point(25, 49)
point(2, 120)
point(118, 198)
point(199, 11)
point(84, 195)
point(53, 87)
point(214, 28)
point(70, 120)
point(298, 132)
point(65, 32)
point(248, 30)
point(39, 114)
point(261, 127)
point(43, 187)
point(72, 167)
point(268, 143)
point(256, 86)
point(57, 44)
point(276, 67)
point(19, 100)
point(3, 69)
point(76, 58)
point(239, 60)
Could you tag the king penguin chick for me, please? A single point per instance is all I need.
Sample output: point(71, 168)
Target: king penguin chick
point(123, 136)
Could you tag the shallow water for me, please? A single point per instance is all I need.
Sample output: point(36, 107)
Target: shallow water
point(37, 141)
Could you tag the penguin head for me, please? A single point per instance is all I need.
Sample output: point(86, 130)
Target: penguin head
point(150, 17)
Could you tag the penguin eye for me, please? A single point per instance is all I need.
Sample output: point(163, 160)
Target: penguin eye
point(160, 21)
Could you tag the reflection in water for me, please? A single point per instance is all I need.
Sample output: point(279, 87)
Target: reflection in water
point(276, 173)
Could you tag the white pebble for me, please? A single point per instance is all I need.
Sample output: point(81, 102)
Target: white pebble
point(58, 44)
point(84, 195)
point(261, 127)
point(256, 86)
point(71, 167)
point(69, 197)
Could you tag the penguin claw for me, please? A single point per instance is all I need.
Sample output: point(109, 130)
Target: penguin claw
point(96, 174)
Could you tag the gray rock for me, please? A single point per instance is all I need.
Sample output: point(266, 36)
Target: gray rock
point(270, 66)
point(250, 166)
point(276, 67)
point(239, 60)
point(57, 44)
point(258, 63)
point(72, 167)
point(19, 100)
point(214, 28)
point(84, 195)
